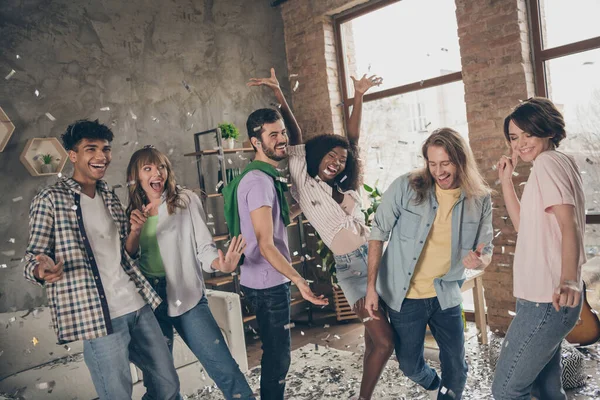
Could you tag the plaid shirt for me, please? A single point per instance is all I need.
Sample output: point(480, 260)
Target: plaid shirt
point(77, 302)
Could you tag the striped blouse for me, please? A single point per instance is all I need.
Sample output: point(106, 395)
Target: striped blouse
point(324, 213)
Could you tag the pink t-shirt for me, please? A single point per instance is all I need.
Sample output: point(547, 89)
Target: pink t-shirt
point(554, 180)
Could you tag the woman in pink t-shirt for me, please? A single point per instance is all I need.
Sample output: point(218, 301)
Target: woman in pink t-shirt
point(550, 219)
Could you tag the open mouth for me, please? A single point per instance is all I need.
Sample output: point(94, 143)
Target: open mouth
point(281, 146)
point(156, 185)
point(330, 171)
point(444, 179)
point(526, 150)
point(100, 167)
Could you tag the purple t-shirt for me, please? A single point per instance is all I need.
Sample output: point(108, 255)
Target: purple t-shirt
point(256, 190)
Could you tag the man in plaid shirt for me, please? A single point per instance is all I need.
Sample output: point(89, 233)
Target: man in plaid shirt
point(95, 292)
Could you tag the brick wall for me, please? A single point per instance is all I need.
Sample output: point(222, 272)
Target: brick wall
point(497, 73)
point(311, 53)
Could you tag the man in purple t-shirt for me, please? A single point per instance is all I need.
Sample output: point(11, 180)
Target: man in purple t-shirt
point(266, 272)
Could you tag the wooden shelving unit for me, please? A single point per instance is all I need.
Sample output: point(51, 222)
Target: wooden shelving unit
point(38, 146)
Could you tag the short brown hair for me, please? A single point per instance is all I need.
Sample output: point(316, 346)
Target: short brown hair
point(538, 117)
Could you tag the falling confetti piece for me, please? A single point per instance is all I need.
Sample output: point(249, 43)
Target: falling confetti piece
point(343, 178)
point(35, 341)
point(512, 313)
point(498, 234)
point(18, 56)
point(37, 93)
point(497, 182)
point(281, 382)
point(10, 74)
point(258, 128)
point(296, 85)
point(289, 326)
point(105, 109)
point(515, 173)
point(522, 183)
point(367, 319)
point(133, 116)
point(302, 333)
point(326, 326)
point(74, 207)
point(293, 76)
point(219, 185)
point(237, 396)
point(443, 390)
point(130, 183)
point(233, 273)
point(186, 86)
point(11, 240)
point(295, 253)
point(15, 199)
point(45, 385)
point(503, 265)
point(3, 266)
point(587, 160)
point(229, 161)
point(494, 167)
point(217, 341)
point(337, 337)
point(50, 116)
point(9, 253)
point(177, 303)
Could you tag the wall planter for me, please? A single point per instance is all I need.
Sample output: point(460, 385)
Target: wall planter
point(6, 129)
point(43, 156)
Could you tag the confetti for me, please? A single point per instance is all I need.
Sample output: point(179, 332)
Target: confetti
point(497, 182)
point(60, 175)
point(186, 86)
point(219, 185)
point(50, 116)
point(177, 303)
point(295, 253)
point(367, 319)
point(498, 234)
point(217, 341)
point(337, 337)
point(45, 385)
point(258, 128)
point(326, 326)
point(512, 313)
point(302, 333)
point(522, 183)
point(296, 85)
point(281, 382)
point(18, 56)
point(402, 142)
point(9, 253)
point(237, 396)
point(11, 240)
point(503, 265)
point(35, 341)
point(229, 161)
point(37, 93)
point(209, 223)
point(2, 266)
point(587, 160)
point(133, 116)
point(515, 173)
point(289, 326)
point(343, 178)
point(10, 74)
point(15, 199)
point(74, 207)
point(105, 109)
point(494, 167)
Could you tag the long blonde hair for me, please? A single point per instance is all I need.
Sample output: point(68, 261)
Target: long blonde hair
point(137, 196)
point(468, 175)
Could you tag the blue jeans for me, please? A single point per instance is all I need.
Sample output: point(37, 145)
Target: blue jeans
point(200, 332)
point(529, 362)
point(137, 338)
point(410, 325)
point(272, 309)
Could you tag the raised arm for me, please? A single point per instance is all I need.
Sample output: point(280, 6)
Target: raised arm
point(360, 88)
point(294, 132)
point(262, 222)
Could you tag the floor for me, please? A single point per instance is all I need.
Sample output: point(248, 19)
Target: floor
point(348, 336)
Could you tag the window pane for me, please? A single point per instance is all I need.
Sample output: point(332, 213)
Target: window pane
point(404, 43)
point(574, 86)
point(394, 129)
point(569, 21)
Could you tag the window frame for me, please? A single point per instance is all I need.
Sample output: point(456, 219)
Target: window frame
point(541, 55)
point(394, 91)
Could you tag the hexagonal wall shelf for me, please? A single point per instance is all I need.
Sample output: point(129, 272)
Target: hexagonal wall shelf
point(6, 129)
point(37, 150)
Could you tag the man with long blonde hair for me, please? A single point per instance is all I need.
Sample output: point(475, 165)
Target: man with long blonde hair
point(438, 221)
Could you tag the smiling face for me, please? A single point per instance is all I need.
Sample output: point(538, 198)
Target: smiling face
point(152, 178)
point(441, 168)
point(90, 158)
point(333, 164)
point(527, 146)
point(274, 141)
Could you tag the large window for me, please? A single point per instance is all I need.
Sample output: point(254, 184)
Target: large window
point(416, 52)
point(566, 44)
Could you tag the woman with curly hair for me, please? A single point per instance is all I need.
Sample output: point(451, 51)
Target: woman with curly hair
point(326, 178)
point(169, 231)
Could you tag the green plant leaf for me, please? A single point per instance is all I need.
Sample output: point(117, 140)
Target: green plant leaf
point(368, 188)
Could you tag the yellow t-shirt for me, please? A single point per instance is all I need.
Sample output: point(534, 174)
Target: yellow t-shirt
point(434, 261)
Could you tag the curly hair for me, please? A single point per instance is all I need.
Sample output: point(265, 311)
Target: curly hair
point(137, 196)
point(318, 146)
point(85, 129)
point(538, 117)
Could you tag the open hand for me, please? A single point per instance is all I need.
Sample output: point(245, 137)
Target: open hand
point(271, 81)
point(308, 295)
point(229, 261)
point(361, 86)
point(474, 259)
point(567, 294)
point(47, 270)
point(506, 166)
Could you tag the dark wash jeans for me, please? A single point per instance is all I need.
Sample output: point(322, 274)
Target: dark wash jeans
point(272, 309)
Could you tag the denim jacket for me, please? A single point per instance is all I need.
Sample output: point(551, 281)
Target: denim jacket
point(406, 225)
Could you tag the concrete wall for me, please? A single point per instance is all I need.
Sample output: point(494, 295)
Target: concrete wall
point(132, 57)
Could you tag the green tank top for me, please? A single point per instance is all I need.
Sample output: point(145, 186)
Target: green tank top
point(151, 262)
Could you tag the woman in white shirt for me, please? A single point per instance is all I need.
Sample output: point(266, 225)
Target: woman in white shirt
point(326, 178)
point(168, 229)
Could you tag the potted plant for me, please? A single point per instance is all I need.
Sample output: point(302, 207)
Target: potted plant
point(47, 166)
point(229, 132)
